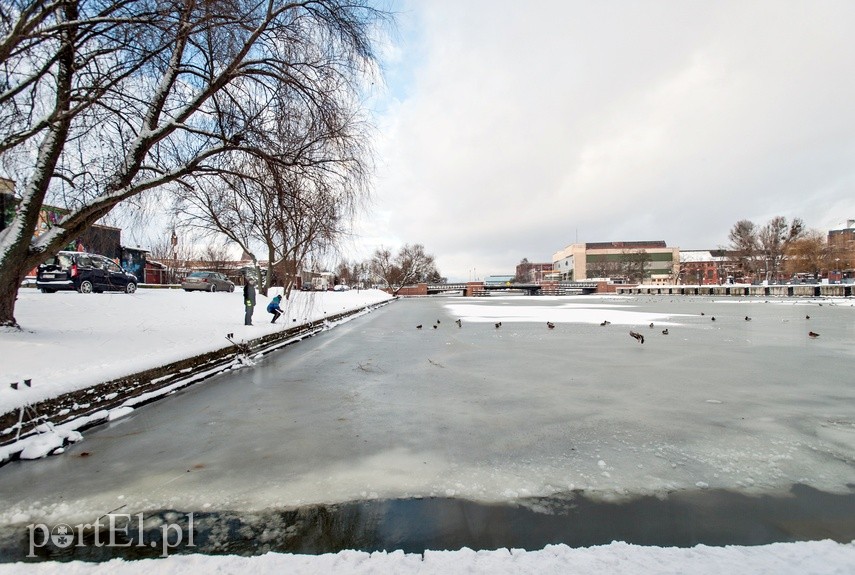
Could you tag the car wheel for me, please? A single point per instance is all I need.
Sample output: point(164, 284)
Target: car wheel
point(231, 289)
point(213, 288)
point(85, 287)
point(131, 287)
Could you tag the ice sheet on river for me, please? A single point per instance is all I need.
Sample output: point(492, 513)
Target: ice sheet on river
point(379, 409)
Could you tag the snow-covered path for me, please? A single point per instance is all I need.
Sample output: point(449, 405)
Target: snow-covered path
point(71, 341)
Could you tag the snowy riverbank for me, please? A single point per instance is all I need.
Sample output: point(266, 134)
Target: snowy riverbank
point(816, 557)
point(71, 341)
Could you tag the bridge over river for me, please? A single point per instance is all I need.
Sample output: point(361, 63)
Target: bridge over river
point(474, 289)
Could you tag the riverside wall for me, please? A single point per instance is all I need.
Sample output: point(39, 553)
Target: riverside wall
point(739, 290)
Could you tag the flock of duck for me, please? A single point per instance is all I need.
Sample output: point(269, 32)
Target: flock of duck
point(634, 334)
point(457, 321)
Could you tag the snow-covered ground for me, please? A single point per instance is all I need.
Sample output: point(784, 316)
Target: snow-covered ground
point(812, 558)
point(71, 341)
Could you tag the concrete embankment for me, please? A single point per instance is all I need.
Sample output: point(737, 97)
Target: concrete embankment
point(87, 407)
point(795, 290)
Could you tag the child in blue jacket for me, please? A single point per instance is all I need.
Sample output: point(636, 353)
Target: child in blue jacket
point(273, 307)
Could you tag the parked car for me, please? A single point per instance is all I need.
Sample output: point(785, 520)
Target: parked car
point(83, 272)
point(207, 281)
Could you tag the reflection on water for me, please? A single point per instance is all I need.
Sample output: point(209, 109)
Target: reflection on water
point(684, 519)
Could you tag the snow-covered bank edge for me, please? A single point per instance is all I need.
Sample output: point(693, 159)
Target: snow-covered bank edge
point(44, 428)
point(818, 557)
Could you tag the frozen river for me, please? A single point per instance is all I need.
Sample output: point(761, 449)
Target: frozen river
point(376, 410)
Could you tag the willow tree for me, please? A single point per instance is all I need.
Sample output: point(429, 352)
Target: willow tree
point(103, 100)
point(281, 214)
point(288, 211)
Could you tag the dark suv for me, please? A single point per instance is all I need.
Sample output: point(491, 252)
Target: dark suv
point(85, 273)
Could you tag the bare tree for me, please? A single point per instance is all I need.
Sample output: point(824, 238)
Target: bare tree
point(743, 246)
point(102, 100)
point(434, 277)
point(215, 255)
point(343, 272)
point(349, 272)
point(523, 274)
point(634, 264)
point(601, 266)
point(415, 264)
point(173, 253)
point(595, 267)
point(287, 214)
point(809, 253)
point(382, 267)
point(773, 241)
point(411, 265)
point(288, 211)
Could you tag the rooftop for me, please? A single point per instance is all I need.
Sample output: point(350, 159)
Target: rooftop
point(623, 245)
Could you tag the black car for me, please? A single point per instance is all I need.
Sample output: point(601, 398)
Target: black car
point(85, 273)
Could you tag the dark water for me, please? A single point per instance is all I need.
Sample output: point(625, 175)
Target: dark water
point(683, 519)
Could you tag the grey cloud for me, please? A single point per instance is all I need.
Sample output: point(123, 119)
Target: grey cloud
point(525, 122)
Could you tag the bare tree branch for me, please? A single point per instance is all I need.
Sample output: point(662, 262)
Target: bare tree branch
point(102, 100)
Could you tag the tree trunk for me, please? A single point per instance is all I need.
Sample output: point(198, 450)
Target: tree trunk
point(11, 277)
point(261, 286)
point(16, 259)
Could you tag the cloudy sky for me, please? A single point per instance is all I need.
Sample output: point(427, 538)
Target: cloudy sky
point(511, 129)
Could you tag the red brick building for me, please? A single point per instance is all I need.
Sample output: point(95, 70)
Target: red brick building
point(841, 244)
point(704, 267)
